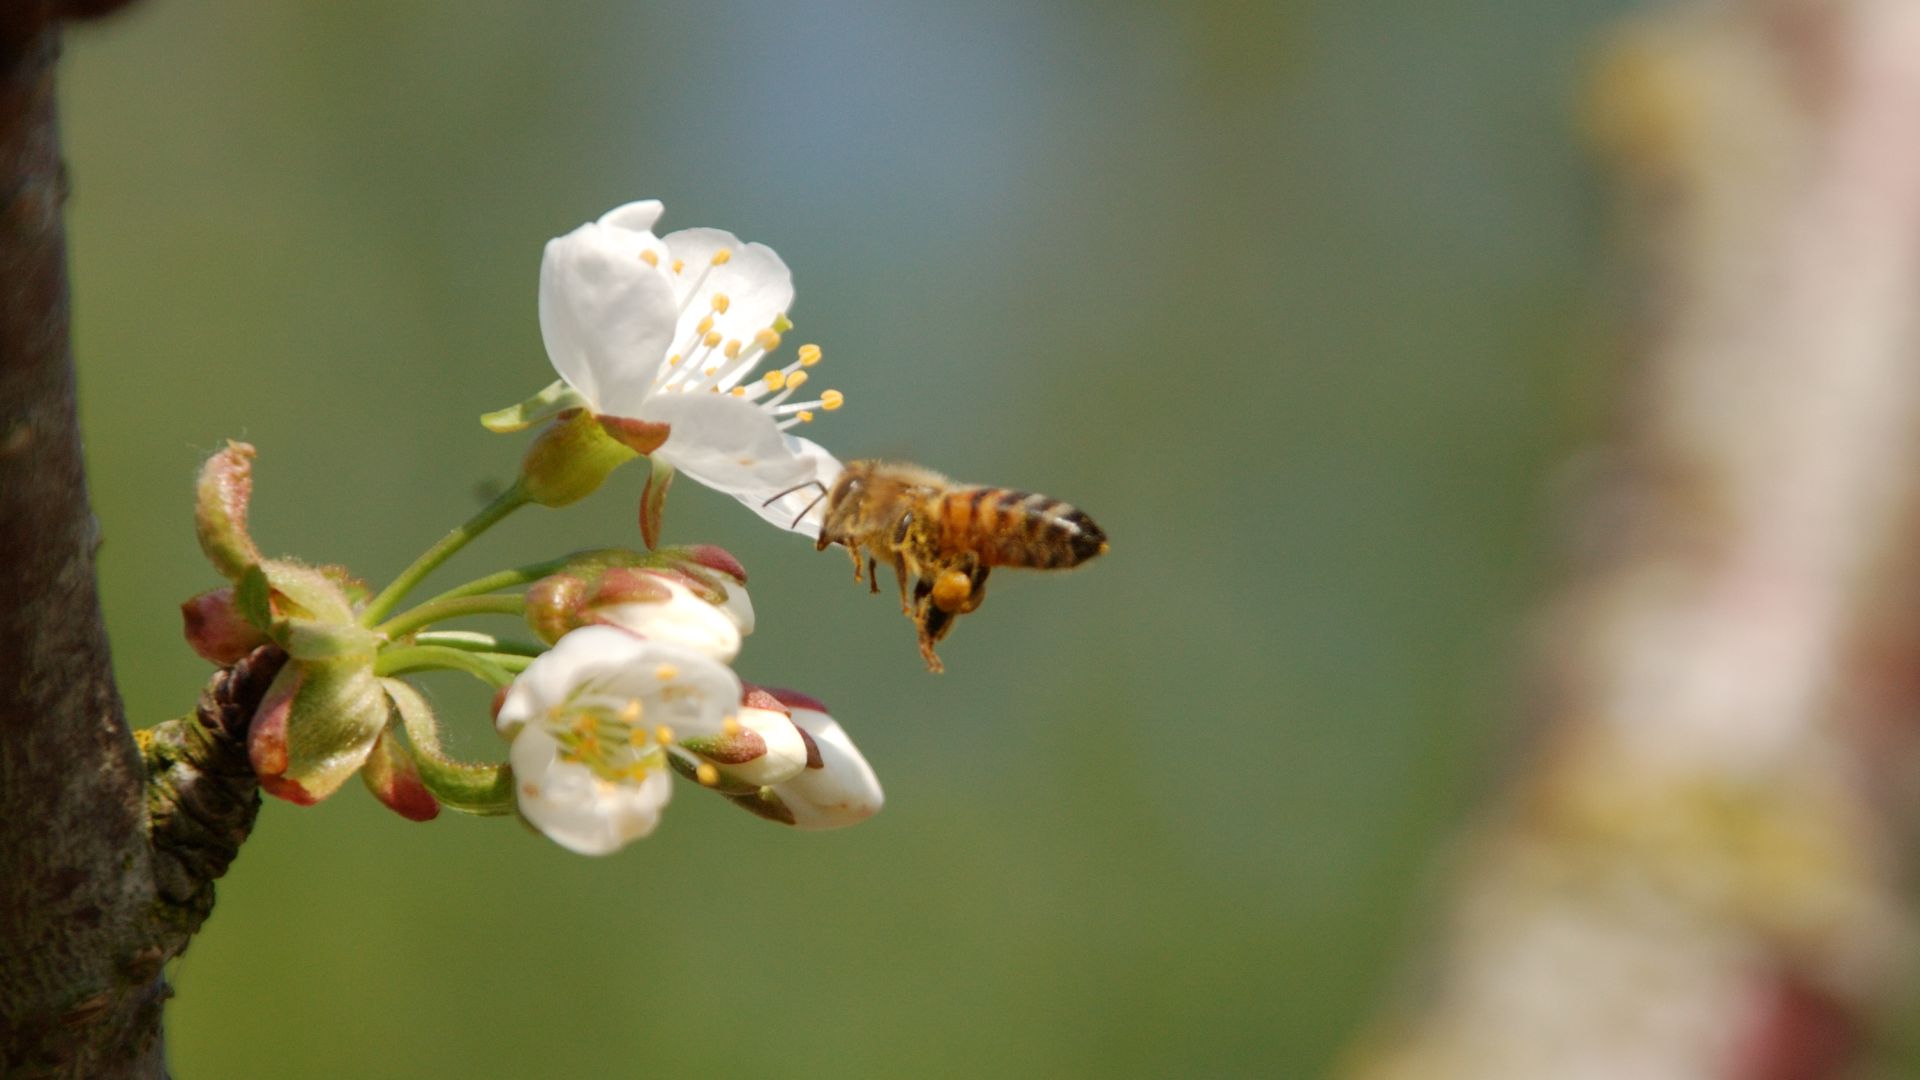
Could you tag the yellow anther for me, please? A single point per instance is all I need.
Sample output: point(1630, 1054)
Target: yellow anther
point(679, 265)
point(583, 725)
point(721, 302)
point(663, 735)
point(739, 391)
point(713, 337)
point(805, 416)
point(711, 372)
point(832, 399)
point(555, 712)
point(674, 360)
point(630, 712)
point(705, 324)
point(665, 672)
point(775, 379)
point(730, 726)
point(650, 258)
point(797, 380)
point(733, 349)
point(713, 389)
point(767, 340)
point(722, 257)
point(809, 355)
point(637, 736)
point(706, 773)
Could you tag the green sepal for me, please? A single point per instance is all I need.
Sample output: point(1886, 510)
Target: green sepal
point(550, 402)
point(486, 790)
point(571, 459)
point(312, 639)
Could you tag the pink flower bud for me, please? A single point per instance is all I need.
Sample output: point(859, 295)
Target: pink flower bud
point(215, 628)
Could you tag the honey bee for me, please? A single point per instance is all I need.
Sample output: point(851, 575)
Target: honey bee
point(946, 536)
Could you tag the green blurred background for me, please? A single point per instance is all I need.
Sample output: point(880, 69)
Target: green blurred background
point(1297, 299)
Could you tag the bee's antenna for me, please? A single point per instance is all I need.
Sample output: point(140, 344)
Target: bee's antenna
point(809, 507)
point(794, 488)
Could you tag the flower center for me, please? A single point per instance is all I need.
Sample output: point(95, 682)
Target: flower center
point(616, 745)
point(709, 361)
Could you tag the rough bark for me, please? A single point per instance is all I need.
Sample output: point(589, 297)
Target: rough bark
point(81, 949)
point(1698, 869)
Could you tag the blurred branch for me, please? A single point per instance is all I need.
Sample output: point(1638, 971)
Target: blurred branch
point(80, 950)
point(1695, 873)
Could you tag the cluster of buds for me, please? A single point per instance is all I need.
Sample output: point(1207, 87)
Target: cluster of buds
point(636, 685)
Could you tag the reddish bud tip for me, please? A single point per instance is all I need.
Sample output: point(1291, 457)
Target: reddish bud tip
point(215, 628)
point(718, 558)
point(640, 436)
point(794, 699)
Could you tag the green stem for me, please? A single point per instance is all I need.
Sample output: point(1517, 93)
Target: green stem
point(510, 500)
point(440, 658)
point(505, 579)
point(434, 611)
point(470, 641)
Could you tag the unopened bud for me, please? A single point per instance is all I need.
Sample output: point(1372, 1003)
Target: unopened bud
point(571, 459)
point(216, 629)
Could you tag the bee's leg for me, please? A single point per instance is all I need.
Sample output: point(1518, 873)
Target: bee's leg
point(900, 575)
point(932, 621)
point(873, 575)
point(979, 592)
point(855, 552)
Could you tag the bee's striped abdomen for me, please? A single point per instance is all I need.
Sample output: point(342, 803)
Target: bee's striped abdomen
point(1004, 527)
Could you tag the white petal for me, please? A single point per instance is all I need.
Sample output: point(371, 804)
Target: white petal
point(738, 607)
point(576, 809)
point(843, 791)
point(683, 619)
point(637, 216)
point(734, 447)
point(599, 666)
point(756, 281)
point(803, 509)
point(606, 316)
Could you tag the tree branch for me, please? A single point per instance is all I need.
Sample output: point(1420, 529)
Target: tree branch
point(1698, 873)
point(80, 970)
